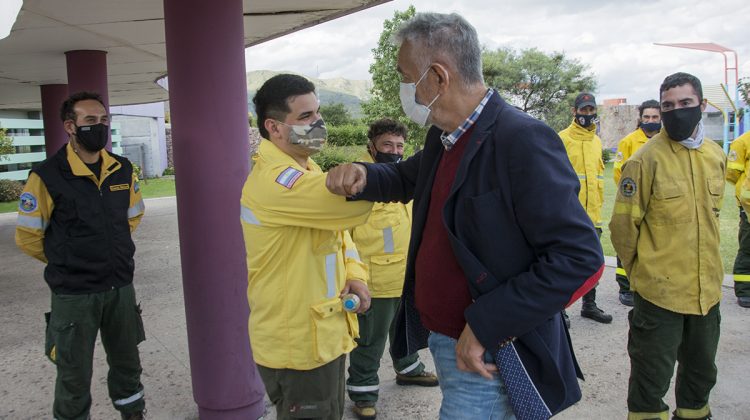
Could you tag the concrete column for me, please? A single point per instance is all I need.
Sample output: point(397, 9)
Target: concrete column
point(87, 71)
point(55, 136)
point(208, 104)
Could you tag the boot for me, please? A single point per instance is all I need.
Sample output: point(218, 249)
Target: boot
point(591, 311)
point(423, 379)
point(365, 410)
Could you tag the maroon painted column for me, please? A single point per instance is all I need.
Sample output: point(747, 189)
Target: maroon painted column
point(55, 136)
point(208, 104)
point(87, 70)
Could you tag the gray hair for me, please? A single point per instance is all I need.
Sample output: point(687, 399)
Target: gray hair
point(449, 36)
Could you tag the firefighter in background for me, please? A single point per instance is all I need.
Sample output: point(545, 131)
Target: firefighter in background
point(76, 215)
point(382, 243)
point(649, 124)
point(584, 149)
point(738, 164)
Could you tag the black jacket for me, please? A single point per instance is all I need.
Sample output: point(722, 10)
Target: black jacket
point(88, 243)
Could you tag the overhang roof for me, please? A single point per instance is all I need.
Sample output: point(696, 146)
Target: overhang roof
point(132, 34)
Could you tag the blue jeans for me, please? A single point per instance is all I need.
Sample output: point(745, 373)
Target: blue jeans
point(467, 395)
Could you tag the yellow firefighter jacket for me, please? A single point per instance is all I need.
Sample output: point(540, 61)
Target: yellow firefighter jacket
point(738, 163)
point(299, 256)
point(382, 243)
point(34, 220)
point(585, 153)
point(665, 224)
point(625, 149)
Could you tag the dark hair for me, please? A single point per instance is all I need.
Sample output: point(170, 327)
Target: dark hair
point(651, 103)
point(66, 110)
point(386, 126)
point(679, 79)
point(272, 99)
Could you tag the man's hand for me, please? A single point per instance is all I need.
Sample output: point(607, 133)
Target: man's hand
point(359, 288)
point(347, 180)
point(470, 355)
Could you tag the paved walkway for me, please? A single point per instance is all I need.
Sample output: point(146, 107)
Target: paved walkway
point(26, 377)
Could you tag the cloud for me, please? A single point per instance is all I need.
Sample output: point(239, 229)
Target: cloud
point(614, 38)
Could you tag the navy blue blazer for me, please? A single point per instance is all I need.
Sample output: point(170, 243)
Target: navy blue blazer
point(525, 243)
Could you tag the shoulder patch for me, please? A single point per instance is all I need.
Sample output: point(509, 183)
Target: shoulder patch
point(618, 157)
point(628, 187)
point(137, 186)
point(27, 202)
point(732, 156)
point(288, 177)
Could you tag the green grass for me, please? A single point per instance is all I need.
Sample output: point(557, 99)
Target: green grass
point(157, 187)
point(164, 187)
point(728, 220)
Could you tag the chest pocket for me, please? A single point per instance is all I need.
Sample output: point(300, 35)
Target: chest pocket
point(716, 190)
point(670, 204)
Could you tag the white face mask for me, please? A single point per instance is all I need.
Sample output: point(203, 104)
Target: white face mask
point(414, 110)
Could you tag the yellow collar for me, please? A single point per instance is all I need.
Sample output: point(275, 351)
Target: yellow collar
point(581, 134)
point(269, 151)
point(109, 165)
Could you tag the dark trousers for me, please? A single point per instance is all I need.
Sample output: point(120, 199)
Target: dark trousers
point(72, 326)
point(742, 261)
point(307, 394)
point(622, 277)
point(375, 327)
point(656, 340)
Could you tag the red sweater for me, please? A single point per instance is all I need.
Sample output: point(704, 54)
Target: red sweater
point(442, 291)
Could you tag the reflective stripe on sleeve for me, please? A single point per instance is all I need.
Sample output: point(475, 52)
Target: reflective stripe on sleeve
point(133, 398)
point(353, 254)
point(366, 388)
point(247, 216)
point(621, 272)
point(581, 176)
point(624, 208)
point(32, 222)
point(137, 209)
point(331, 274)
point(742, 278)
point(388, 246)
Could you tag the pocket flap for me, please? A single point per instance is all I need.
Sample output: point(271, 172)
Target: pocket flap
point(387, 259)
point(667, 191)
point(715, 186)
point(327, 308)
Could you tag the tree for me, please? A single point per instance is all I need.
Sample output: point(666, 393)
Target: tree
point(544, 85)
point(385, 100)
point(6, 146)
point(336, 114)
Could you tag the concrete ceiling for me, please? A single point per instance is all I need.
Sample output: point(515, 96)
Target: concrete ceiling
point(132, 34)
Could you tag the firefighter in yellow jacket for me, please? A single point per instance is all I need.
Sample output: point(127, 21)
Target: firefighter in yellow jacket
point(584, 149)
point(301, 260)
point(738, 165)
point(76, 215)
point(382, 243)
point(649, 124)
point(665, 228)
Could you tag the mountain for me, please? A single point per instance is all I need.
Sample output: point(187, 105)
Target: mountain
point(351, 93)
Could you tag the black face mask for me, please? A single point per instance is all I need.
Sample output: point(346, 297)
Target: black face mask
point(92, 137)
point(585, 121)
point(680, 123)
point(651, 127)
point(381, 157)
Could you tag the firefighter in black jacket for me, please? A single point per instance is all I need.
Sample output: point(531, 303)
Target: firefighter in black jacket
point(76, 214)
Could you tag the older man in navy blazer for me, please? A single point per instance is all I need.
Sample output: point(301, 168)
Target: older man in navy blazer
point(500, 243)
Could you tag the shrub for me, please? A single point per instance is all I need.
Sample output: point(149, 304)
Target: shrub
point(137, 171)
point(331, 156)
point(10, 190)
point(606, 155)
point(168, 171)
point(347, 135)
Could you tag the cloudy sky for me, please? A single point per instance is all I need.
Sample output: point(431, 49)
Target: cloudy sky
point(615, 38)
